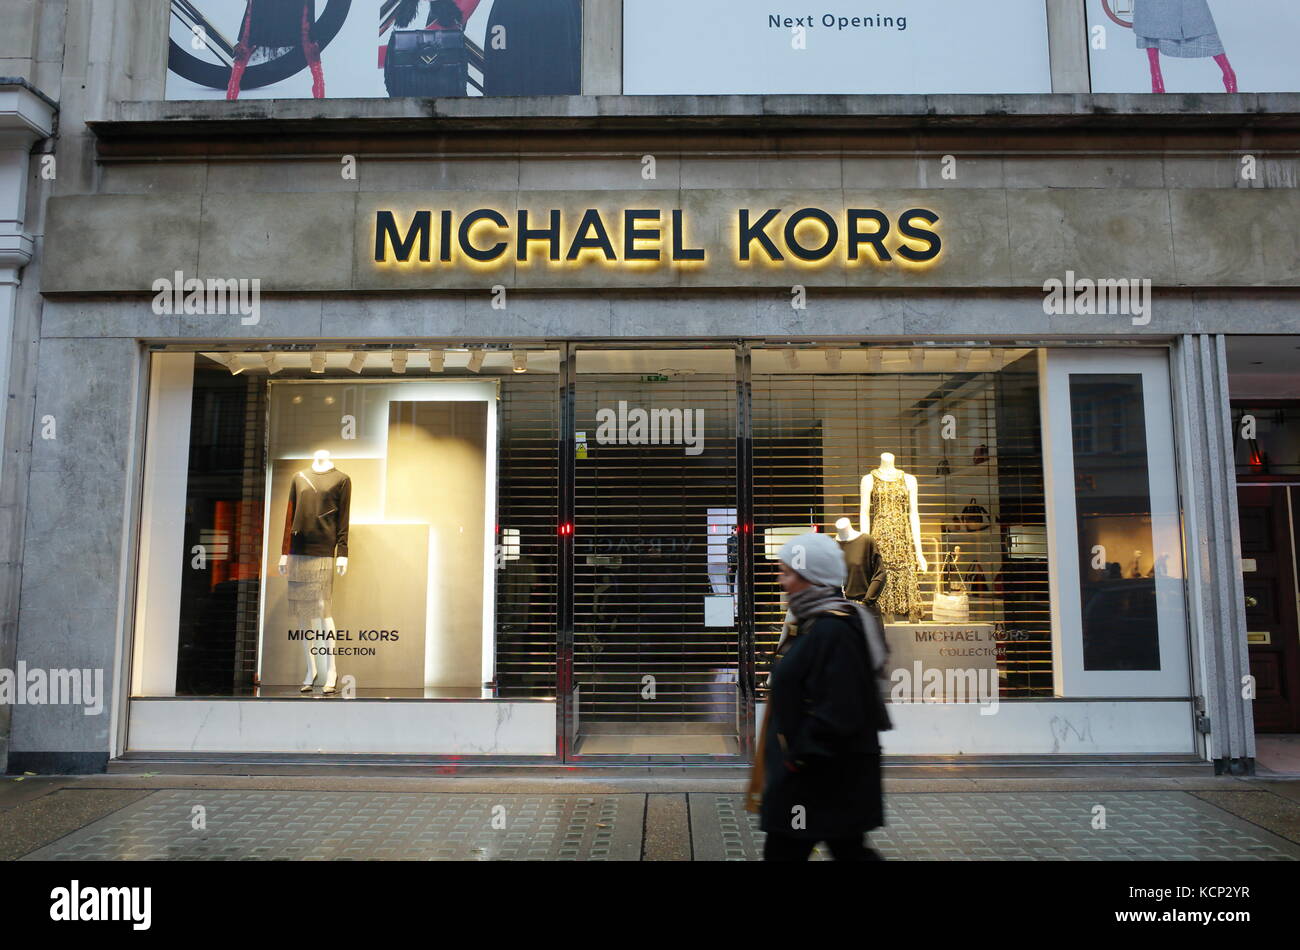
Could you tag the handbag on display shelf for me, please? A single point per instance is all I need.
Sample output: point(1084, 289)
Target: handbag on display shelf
point(426, 63)
point(975, 517)
point(951, 601)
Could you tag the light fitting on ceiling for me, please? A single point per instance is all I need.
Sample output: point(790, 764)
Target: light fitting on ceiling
point(318, 363)
point(399, 361)
point(476, 361)
point(791, 359)
point(231, 362)
point(874, 360)
point(520, 358)
point(437, 359)
point(272, 361)
point(358, 362)
point(833, 359)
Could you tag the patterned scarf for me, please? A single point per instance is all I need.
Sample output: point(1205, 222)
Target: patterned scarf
point(816, 600)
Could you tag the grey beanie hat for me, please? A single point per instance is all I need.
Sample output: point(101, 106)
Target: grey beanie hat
point(816, 558)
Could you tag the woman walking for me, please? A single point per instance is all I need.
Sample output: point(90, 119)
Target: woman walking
point(819, 756)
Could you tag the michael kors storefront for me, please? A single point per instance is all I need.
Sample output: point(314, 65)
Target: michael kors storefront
point(487, 473)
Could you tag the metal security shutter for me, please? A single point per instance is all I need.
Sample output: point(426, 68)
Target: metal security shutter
point(528, 553)
point(645, 559)
point(816, 434)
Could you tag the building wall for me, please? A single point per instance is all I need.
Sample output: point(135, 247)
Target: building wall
point(157, 187)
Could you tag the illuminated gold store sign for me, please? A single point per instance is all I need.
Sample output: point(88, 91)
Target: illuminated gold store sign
point(654, 236)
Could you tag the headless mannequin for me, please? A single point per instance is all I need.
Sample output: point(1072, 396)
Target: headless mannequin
point(888, 472)
point(320, 463)
point(844, 530)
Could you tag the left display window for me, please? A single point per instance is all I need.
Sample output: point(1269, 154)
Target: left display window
point(330, 527)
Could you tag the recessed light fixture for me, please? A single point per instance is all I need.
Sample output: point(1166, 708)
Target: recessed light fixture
point(476, 361)
point(231, 362)
point(318, 363)
point(399, 360)
point(437, 359)
point(358, 362)
point(520, 359)
point(963, 360)
point(833, 359)
point(272, 361)
point(791, 358)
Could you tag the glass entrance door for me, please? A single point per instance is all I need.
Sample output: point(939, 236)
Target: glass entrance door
point(655, 587)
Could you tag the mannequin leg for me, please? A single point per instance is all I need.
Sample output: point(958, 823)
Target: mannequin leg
point(1229, 74)
point(310, 679)
point(1157, 77)
point(331, 670)
point(312, 52)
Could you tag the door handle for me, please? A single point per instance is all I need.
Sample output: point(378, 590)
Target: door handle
point(1251, 602)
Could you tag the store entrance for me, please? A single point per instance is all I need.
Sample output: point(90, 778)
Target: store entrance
point(655, 589)
point(1269, 526)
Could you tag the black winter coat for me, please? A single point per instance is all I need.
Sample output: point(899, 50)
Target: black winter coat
point(825, 711)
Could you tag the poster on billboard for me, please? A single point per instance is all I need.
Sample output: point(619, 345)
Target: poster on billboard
point(1166, 46)
point(298, 49)
point(836, 47)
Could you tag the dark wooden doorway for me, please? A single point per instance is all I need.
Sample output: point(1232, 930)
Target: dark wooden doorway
point(1269, 527)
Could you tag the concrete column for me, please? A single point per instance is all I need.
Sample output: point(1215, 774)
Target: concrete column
point(1216, 599)
point(25, 117)
point(1067, 33)
point(602, 47)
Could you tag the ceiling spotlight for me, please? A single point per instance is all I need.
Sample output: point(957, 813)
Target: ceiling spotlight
point(476, 361)
point(358, 362)
point(791, 359)
point(399, 360)
point(231, 362)
point(272, 361)
point(318, 362)
point(520, 358)
point(437, 358)
point(833, 359)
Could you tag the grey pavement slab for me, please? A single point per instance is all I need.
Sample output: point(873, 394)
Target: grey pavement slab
point(307, 826)
point(1019, 826)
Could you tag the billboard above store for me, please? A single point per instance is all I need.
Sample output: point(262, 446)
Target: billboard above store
point(298, 49)
point(1181, 46)
point(836, 47)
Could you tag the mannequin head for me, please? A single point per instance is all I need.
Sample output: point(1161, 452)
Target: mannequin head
point(844, 524)
point(887, 460)
point(321, 460)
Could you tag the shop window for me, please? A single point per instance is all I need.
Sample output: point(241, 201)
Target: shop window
point(380, 522)
point(944, 442)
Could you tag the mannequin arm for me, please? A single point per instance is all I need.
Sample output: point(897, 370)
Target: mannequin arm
point(916, 523)
point(864, 514)
point(341, 564)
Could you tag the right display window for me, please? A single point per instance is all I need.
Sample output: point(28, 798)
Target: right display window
point(925, 463)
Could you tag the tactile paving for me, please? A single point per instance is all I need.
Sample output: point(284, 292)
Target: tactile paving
point(343, 826)
point(1009, 826)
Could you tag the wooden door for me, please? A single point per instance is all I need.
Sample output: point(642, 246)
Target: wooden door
point(1267, 515)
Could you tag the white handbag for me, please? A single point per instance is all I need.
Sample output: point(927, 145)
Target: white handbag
point(954, 607)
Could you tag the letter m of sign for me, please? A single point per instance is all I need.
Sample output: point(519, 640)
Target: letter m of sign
point(386, 235)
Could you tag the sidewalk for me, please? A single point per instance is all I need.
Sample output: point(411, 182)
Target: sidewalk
point(520, 816)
